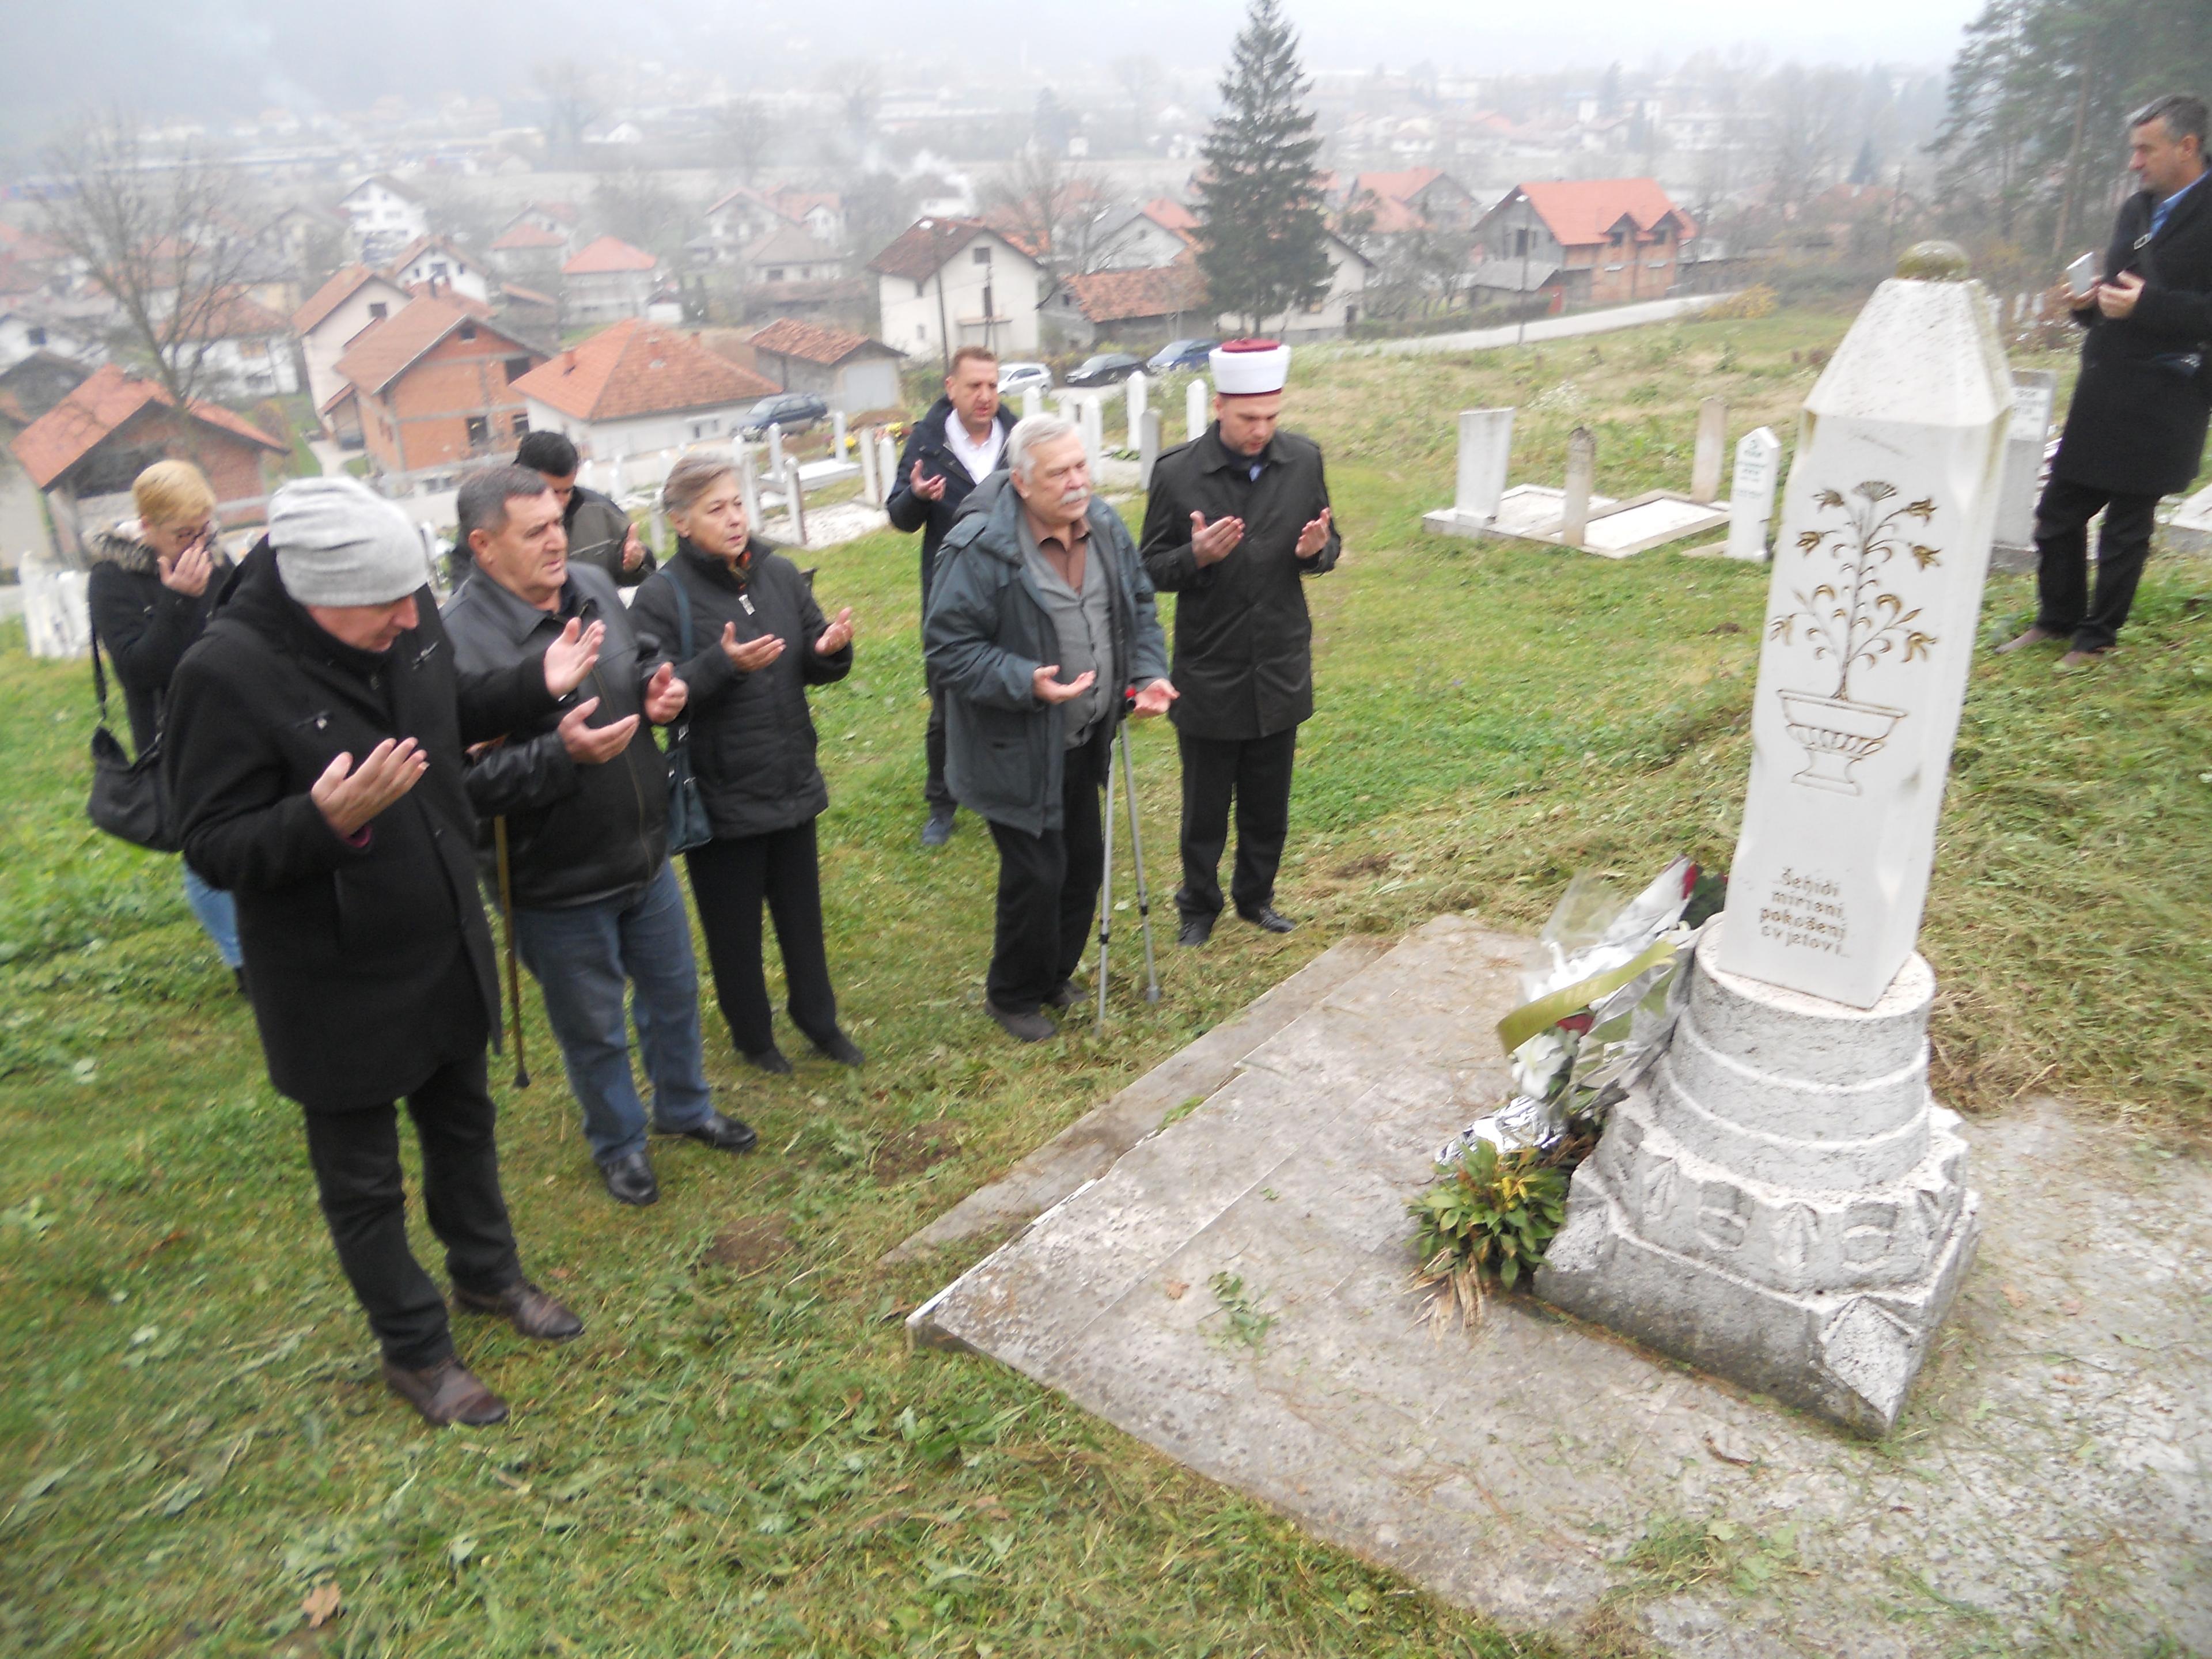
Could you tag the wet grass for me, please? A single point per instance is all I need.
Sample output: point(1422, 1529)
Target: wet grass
point(741, 1456)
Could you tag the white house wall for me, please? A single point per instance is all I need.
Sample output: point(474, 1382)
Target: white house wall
point(645, 434)
point(910, 317)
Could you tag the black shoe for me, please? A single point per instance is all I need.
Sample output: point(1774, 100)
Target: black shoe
point(1197, 928)
point(446, 1392)
point(841, 1048)
point(1023, 1028)
point(1066, 996)
point(771, 1061)
point(724, 1134)
point(526, 1308)
point(630, 1180)
point(1267, 919)
point(938, 829)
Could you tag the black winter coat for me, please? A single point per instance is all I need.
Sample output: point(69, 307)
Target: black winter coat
point(2136, 426)
point(752, 735)
point(1244, 641)
point(909, 512)
point(597, 528)
point(575, 834)
point(144, 628)
point(370, 964)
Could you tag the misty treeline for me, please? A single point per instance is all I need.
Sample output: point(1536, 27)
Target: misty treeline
point(2032, 150)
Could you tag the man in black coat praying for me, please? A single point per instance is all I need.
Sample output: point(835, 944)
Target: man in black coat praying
point(2136, 430)
point(316, 735)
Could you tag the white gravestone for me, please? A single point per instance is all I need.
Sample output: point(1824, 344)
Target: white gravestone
point(794, 495)
point(1751, 494)
point(1094, 432)
point(1148, 448)
point(749, 484)
point(1032, 401)
point(1712, 445)
point(2034, 392)
point(1138, 395)
point(775, 455)
point(1582, 476)
point(1780, 1199)
point(1485, 448)
point(1195, 399)
point(872, 487)
point(888, 460)
point(57, 618)
point(837, 434)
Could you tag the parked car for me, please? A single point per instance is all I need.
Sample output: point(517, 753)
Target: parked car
point(1015, 378)
point(1181, 354)
point(1106, 368)
point(794, 412)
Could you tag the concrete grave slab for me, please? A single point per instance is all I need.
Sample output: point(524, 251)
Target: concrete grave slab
point(2050, 1480)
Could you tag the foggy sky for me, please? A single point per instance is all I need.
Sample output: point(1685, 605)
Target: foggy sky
point(209, 58)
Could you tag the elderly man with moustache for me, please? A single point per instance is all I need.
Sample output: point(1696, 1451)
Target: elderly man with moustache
point(2136, 430)
point(596, 908)
point(315, 754)
point(961, 441)
point(1239, 518)
point(1040, 623)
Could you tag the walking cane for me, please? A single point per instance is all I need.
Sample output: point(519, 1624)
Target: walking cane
point(1106, 894)
point(1137, 859)
point(514, 973)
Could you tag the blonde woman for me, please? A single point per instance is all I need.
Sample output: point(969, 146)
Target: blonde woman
point(757, 641)
point(154, 583)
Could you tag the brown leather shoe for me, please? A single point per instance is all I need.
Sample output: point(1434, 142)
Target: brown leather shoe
point(2081, 659)
point(446, 1392)
point(2032, 636)
point(526, 1308)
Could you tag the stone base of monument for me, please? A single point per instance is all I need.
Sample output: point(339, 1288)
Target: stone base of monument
point(1781, 1202)
point(1613, 530)
point(2190, 529)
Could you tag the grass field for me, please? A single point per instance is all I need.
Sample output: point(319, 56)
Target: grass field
point(741, 1456)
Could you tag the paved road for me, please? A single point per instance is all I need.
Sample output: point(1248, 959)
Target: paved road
point(1543, 328)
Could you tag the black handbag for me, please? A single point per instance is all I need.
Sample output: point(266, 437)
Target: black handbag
point(688, 826)
point(128, 799)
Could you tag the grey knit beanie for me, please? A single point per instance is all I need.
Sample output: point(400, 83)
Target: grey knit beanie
point(339, 542)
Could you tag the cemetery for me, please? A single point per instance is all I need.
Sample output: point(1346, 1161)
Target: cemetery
point(1876, 1324)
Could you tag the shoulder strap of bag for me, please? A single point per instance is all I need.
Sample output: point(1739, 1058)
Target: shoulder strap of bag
point(99, 675)
point(682, 729)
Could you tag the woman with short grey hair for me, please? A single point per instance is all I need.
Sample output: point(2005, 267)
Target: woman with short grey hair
point(740, 625)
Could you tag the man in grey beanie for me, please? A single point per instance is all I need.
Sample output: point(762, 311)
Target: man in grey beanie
point(314, 748)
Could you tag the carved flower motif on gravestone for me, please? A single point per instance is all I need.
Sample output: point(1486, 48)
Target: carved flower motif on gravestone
point(1857, 620)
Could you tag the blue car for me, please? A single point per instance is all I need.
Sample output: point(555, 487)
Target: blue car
point(1180, 354)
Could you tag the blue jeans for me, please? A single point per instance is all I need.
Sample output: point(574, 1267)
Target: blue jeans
point(218, 916)
point(582, 955)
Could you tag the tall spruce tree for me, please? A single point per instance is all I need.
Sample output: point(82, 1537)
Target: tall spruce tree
point(1262, 241)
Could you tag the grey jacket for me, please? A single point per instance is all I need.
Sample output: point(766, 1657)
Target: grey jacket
point(987, 634)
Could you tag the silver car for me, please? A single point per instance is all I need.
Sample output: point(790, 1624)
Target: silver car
point(1014, 378)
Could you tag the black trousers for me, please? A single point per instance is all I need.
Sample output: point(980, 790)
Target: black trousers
point(1256, 771)
point(935, 791)
point(1049, 887)
point(730, 880)
point(2066, 606)
point(356, 1155)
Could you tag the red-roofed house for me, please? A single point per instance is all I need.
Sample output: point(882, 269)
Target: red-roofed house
point(1609, 240)
point(84, 452)
point(607, 280)
point(850, 371)
point(333, 315)
point(244, 348)
point(1130, 308)
point(636, 386)
point(527, 249)
point(431, 384)
point(1431, 195)
point(386, 215)
point(433, 263)
point(948, 282)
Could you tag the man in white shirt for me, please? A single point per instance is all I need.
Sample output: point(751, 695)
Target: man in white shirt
point(961, 441)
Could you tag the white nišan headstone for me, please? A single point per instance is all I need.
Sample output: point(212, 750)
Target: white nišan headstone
point(748, 484)
point(1871, 618)
point(1751, 493)
point(1148, 448)
point(1486, 450)
point(1195, 399)
point(1582, 478)
point(1712, 445)
point(794, 495)
point(2034, 391)
point(57, 617)
point(872, 487)
point(889, 460)
point(1138, 394)
point(837, 434)
point(1094, 432)
point(1032, 401)
point(775, 455)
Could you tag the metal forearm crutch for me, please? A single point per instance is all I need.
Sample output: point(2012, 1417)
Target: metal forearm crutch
point(1137, 861)
point(507, 926)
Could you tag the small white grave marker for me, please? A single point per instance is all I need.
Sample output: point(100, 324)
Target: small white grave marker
point(1751, 494)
